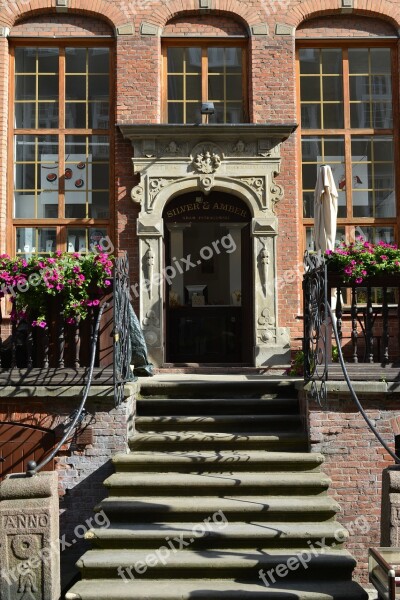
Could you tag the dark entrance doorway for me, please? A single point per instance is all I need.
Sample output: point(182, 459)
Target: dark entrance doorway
point(208, 279)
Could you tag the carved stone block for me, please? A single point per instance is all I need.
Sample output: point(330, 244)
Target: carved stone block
point(29, 537)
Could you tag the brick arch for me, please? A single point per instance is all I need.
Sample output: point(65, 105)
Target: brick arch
point(12, 13)
point(302, 10)
point(235, 9)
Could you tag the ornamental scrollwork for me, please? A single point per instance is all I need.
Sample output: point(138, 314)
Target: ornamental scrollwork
point(206, 183)
point(267, 323)
point(276, 191)
point(257, 184)
point(155, 186)
point(137, 194)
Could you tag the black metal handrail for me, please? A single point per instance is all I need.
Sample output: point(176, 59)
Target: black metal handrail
point(353, 393)
point(32, 467)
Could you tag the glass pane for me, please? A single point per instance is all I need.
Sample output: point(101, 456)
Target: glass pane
point(233, 60)
point(75, 115)
point(234, 87)
point(25, 60)
point(309, 61)
point(75, 87)
point(100, 177)
point(234, 112)
point(360, 87)
point(376, 234)
point(193, 60)
point(75, 60)
point(25, 148)
point(84, 239)
point(24, 205)
point(308, 205)
point(380, 60)
point(25, 115)
point(175, 87)
point(48, 115)
point(48, 87)
point(193, 114)
point(333, 116)
point(24, 176)
point(216, 60)
point(46, 240)
point(359, 60)
point(311, 147)
point(382, 115)
point(99, 60)
point(193, 87)
point(310, 88)
point(331, 61)
point(98, 87)
point(99, 115)
point(31, 241)
point(75, 205)
point(48, 60)
point(175, 112)
point(99, 147)
point(385, 204)
point(175, 60)
point(311, 116)
point(342, 209)
point(216, 87)
point(25, 87)
point(332, 88)
point(99, 208)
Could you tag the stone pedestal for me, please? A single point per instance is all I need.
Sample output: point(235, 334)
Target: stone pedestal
point(29, 537)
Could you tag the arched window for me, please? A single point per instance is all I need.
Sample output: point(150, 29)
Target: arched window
point(349, 121)
point(62, 141)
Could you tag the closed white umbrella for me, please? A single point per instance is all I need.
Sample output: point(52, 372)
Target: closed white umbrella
point(325, 210)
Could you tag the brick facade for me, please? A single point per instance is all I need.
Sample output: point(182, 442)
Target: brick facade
point(354, 460)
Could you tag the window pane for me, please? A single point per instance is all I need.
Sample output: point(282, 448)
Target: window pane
point(309, 61)
point(99, 115)
point(75, 115)
point(32, 241)
point(25, 60)
point(193, 60)
point(25, 87)
point(332, 88)
point(193, 114)
point(99, 60)
point(331, 61)
point(333, 116)
point(311, 116)
point(98, 87)
point(99, 208)
point(48, 60)
point(381, 60)
point(75, 87)
point(193, 87)
point(175, 112)
point(310, 88)
point(85, 239)
point(216, 87)
point(75, 60)
point(234, 87)
point(233, 60)
point(175, 58)
point(47, 87)
point(359, 60)
point(175, 87)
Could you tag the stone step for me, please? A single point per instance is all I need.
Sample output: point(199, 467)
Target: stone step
point(151, 484)
point(219, 532)
point(218, 387)
point(235, 508)
point(171, 562)
point(224, 589)
point(210, 406)
point(210, 460)
point(295, 442)
point(230, 423)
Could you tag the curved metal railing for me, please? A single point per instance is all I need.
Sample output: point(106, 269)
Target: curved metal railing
point(32, 467)
point(353, 393)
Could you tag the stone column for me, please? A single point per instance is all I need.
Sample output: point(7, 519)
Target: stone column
point(272, 343)
point(235, 260)
point(29, 537)
point(151, 288)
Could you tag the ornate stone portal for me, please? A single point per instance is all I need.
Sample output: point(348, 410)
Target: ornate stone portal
point(238, 159)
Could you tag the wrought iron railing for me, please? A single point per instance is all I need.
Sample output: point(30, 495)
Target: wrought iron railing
point(122, 342)
point(315, 339)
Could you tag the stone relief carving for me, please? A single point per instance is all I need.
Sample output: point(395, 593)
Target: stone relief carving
point(23, 548)
point(267, 331)
point(263, 266)
point(155, 186)
point(151, 338)
point(151, 319)
point(269, 148)
point(137, 194)
point(276, 191)
point(206, 162)
point(257, 183)
point(206, 183)
point(172, 148)
point(148, 269)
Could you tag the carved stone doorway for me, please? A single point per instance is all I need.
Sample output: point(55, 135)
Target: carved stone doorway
point(240, 160)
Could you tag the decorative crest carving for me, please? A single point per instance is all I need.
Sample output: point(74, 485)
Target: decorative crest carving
point(206, 159)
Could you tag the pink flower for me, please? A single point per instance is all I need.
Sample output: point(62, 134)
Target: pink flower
point(43, 324)
point(384, 257)
point(71, 321)
point(359, 280)
point(107, 282)
point(348, 270)
point(95, 302)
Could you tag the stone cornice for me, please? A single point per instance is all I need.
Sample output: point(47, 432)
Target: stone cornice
point(140, 131)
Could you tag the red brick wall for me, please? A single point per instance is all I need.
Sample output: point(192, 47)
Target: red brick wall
point(354, 460)
point(67, 25)
point(344, 26)
point(203, 25)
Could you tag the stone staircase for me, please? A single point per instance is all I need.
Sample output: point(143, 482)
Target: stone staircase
point(218, 499)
